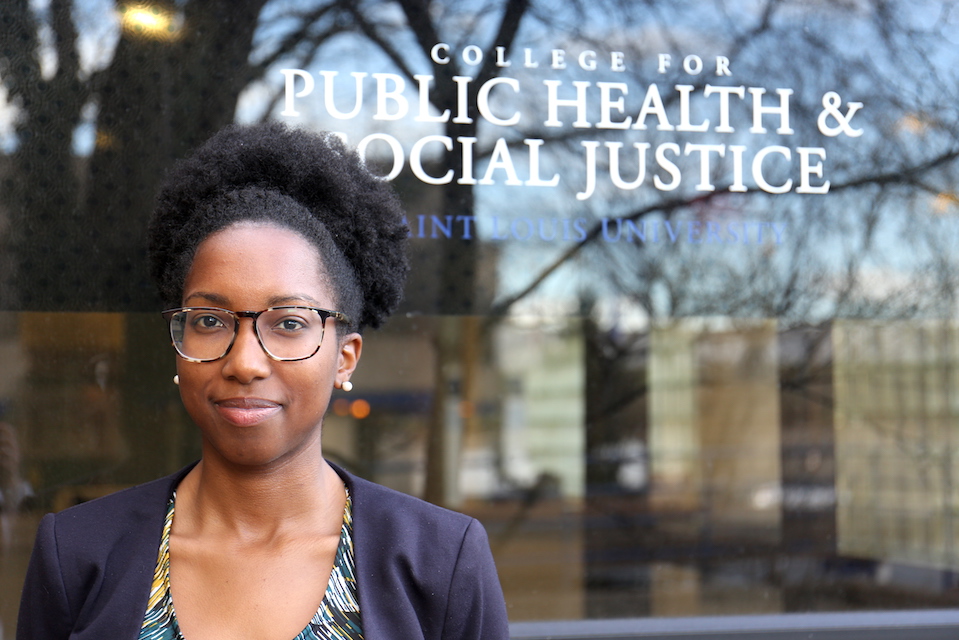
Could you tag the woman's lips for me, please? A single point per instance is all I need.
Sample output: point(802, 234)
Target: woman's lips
point(245, 412)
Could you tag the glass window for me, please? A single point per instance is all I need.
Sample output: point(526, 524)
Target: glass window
point(681, 324)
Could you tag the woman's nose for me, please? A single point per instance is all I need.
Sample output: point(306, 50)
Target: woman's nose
point(246, 361)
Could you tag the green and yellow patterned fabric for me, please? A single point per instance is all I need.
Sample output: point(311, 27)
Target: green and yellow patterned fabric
point(338, 617)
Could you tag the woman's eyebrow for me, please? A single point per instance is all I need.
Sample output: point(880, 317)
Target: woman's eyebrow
point(215, 298)
point(293, 298)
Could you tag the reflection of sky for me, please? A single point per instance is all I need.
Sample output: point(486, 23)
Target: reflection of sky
point(809, 51)
point(891, 253)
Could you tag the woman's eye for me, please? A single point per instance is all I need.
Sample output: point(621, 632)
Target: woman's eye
point(291, 325)
point(208, 322)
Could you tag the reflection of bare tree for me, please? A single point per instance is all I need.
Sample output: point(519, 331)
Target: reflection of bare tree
point(459, 286)
point(173, 78)
point(844, 252)
point(881, 245)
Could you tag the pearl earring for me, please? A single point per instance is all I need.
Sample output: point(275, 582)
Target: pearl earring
point(347, 386)
point(176, 379)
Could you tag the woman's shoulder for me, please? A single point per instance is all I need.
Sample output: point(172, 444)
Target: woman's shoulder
point(422, 570)
point(118, 512)
point(96, 556)
point(385, 504)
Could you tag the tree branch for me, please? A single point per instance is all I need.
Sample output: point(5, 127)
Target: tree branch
point(295, 38)
point(667, 206)
point(19, 35)
point(508, 28)
point(906, 175)
point(369, 30)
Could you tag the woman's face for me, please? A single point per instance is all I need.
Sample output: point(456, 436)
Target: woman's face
point(252, 410)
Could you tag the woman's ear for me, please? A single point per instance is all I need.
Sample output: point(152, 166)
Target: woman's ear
point(351, 346)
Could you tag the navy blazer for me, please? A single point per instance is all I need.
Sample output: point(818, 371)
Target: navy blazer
point(423, 572)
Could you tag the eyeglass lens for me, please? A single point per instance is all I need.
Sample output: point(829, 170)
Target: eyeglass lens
point(288, 333)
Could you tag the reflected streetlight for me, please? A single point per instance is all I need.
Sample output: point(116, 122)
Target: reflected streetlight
point(151, 21)
point(914, 123)
point(945, 202)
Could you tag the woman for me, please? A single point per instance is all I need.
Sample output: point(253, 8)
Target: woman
point(274, 249)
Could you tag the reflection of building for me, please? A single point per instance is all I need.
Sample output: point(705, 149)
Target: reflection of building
point(543, 413)
point(690, 469)
point(898, 473)
point(515, 449)
point(706, 404)
point(778, 477)
point(687, 469)
point(714, 423)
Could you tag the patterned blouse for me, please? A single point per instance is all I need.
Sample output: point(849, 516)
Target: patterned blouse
point(338, 617)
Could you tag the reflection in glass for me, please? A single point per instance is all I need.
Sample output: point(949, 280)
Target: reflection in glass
point(647, 424)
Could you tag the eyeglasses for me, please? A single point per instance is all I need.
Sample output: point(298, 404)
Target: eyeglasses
point(205, 334)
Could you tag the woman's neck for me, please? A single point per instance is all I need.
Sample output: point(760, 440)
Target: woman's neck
point(288, 498)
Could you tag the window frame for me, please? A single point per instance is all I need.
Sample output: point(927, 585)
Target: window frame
point(940, 624)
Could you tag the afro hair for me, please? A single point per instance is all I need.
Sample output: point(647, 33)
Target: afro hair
point(304, 181)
